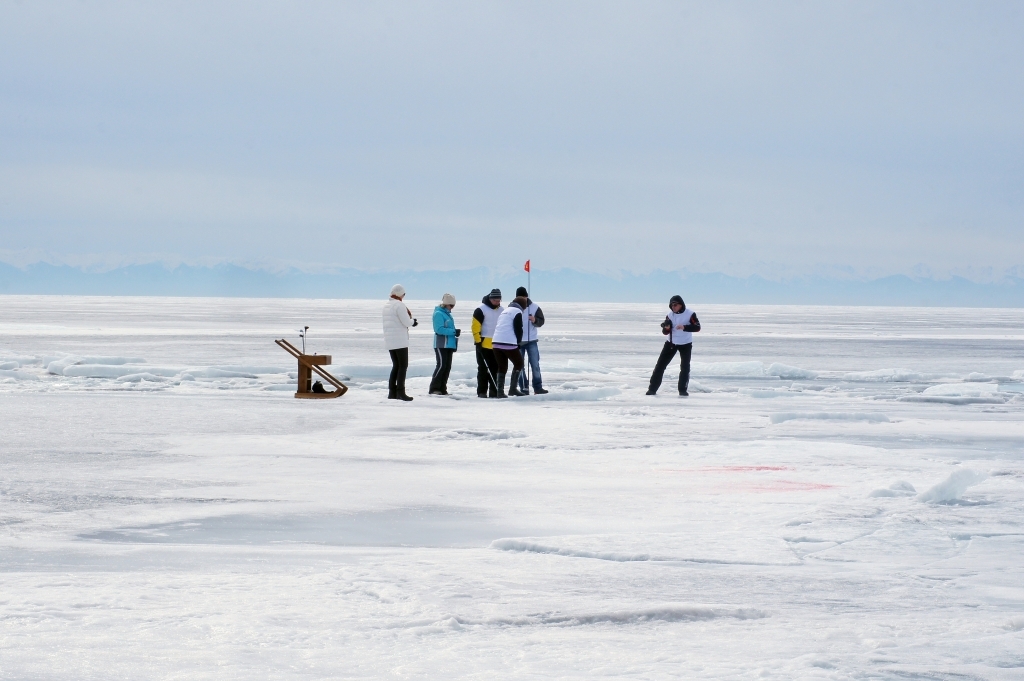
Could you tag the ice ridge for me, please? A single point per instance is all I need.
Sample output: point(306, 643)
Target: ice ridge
point(531, 547)
point(664, 613)
point(953, 487)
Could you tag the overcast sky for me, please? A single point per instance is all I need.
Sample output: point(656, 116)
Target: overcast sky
point(771, 138)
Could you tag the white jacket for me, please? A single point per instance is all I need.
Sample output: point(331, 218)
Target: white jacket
point(504, 330)
point(397, 320)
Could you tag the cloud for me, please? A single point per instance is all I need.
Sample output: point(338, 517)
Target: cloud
point(868, 136)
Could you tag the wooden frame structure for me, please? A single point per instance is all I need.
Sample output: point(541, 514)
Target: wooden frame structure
point(308, 365)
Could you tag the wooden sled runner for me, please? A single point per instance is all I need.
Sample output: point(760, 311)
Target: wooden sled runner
point(308, 365)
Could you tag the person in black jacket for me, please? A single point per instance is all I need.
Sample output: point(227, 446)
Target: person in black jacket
point(531, 352)
point(679, 325)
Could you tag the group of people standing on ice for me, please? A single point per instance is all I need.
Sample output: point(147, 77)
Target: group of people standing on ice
point(504, 335)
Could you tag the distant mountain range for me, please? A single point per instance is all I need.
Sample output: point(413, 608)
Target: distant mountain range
point(552, 285)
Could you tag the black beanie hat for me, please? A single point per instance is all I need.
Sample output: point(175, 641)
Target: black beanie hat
point(495, 293)
point(676, 299)
point(521, 292)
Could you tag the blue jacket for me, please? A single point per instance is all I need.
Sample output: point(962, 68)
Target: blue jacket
point(444, 330)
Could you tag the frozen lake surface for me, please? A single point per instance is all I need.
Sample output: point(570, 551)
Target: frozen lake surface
point(842, 496)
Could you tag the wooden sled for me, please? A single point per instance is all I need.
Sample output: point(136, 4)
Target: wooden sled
point(308, 365)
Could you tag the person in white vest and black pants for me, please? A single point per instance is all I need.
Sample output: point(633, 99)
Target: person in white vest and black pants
point(679, 326)
point(397, 320)
point(508, 336)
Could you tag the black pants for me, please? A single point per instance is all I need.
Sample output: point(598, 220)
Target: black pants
point(399, 366)
point(667, 353)
point(444, 367)
point(486, 371)
point(506, 356)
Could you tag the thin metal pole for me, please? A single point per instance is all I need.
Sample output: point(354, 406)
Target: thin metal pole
point(529, 292)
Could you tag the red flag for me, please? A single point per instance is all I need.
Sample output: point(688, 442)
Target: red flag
point(526, 267)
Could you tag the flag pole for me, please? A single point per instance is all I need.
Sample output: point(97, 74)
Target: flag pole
point(529, 292)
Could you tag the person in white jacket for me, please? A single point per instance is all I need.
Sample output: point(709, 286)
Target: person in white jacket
point(397, 320)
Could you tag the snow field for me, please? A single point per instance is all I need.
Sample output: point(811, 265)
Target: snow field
point(219, 528)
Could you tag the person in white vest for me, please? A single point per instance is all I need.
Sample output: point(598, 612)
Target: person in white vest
point(508, 335)
point(485, 317)
point(534, 319)
point(397, 321)
point(679, 325)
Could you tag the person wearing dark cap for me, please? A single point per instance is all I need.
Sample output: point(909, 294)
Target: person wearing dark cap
point(679, 325)
point(485, 318)
point(533, 320)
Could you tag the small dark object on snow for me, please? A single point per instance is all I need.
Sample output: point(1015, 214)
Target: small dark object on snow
point(318, 387)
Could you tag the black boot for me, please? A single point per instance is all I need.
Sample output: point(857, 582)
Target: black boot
point(501, 386)
point(513, 387)
point(540, 391)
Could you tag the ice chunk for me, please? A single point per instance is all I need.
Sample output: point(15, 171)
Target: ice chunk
point(896, 489)
point(18, 375)
point(215, 372)
point(58, 366)
point(829, 416)
point(888, 375)
point(962, 389)
point(790, 372)
point(9, 366)
point(958, 393)
point(138, 378)
point(115, 371)
point(953, 487)
point(251, 369)
point(741, 369)
point(696, 387)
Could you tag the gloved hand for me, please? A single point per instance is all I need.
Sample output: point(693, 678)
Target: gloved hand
point(414, 322)
point(458, 332)
point(666, 326)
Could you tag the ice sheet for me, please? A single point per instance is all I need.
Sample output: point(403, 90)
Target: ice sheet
point(840, 497)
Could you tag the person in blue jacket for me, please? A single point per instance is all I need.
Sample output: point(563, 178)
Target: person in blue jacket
point(446, 341)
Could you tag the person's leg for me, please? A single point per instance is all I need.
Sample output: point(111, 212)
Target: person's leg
point(403, 367)
point(538, 384)
point(492, 372)
point(393, 378)
point(668, 351)
point(439, 359)
point(482, 381)
point(446, 370)
point(501, 358)
point(684, 367)
point(516, 358)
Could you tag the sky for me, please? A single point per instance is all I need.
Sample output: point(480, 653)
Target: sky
point(776, 139)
